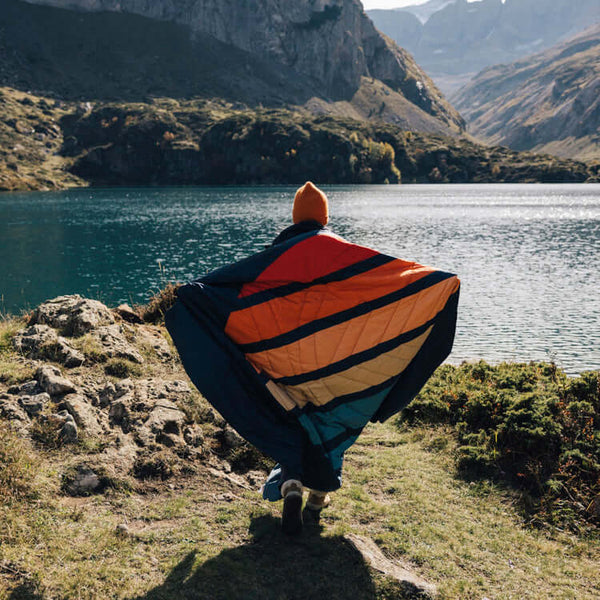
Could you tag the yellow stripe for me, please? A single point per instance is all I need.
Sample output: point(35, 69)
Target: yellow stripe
point(357, 378)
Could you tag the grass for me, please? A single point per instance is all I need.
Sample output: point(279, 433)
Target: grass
point(12, 368)
point(192, 534)
point(200, 537)
point(527, 425)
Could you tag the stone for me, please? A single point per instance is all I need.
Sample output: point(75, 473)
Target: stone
point(106, 395)
point(42, 342)
point(115, 345)
point(85, 416)
point(29, 388)
point(413, 585)
point(34, 405)
point(72, 315)
point(12, 411)
point(152, 338)
point(69, 433)
point(193, 436)
point(165, 417)
point(83, 482)
point(128, 314)
point(231, 438)
point(52, 382)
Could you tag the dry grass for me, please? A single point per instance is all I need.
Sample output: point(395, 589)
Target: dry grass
point(201, 537)
point(154, 311)
point(13, 368)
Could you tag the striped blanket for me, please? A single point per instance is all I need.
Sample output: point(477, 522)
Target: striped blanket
point(301, 345)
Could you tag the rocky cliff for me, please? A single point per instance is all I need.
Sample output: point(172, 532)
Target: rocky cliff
point(461, 37)
point(330, 43)
point(549, 102)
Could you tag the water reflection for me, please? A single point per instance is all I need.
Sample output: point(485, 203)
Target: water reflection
point(528, 256)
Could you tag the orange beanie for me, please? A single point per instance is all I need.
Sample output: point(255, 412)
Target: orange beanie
point(310, 204)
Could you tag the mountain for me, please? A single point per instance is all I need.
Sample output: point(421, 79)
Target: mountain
point(549, 102)
point(326, 54)
point(461, 38)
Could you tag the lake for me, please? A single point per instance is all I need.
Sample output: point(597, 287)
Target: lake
point(528, 256)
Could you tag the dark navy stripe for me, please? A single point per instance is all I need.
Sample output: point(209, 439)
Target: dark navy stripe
point(357, 358)
point(345, 315)
point(340, 275)
point(338, 440)
point(380, 387)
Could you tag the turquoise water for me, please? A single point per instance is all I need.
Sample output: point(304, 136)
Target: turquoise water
point(528, 255)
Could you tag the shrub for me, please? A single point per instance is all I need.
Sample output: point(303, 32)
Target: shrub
point(527, 424)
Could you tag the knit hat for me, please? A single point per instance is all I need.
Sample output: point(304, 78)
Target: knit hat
point(310, 204)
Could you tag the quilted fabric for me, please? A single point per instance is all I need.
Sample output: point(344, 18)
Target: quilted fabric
point(312, 338)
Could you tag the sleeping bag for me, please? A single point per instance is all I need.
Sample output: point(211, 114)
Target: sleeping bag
point(301, 345)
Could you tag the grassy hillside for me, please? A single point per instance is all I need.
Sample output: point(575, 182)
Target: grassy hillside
point(183, 520)
point(49, 144)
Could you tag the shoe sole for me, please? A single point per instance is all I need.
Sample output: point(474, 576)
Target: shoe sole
point(291, 517)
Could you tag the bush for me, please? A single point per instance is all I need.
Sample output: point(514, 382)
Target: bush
point(527, 424)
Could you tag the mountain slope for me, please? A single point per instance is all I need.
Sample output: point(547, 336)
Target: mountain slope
point(549, 102)
point(327, 49)
point(464, 37)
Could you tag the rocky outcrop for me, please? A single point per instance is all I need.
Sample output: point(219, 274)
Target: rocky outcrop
point(330, 43)
point(549, 102)
point(147, 423)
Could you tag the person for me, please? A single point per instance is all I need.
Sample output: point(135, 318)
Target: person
point(301, 345)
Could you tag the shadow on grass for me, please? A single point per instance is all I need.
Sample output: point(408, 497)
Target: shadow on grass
point(273, 566)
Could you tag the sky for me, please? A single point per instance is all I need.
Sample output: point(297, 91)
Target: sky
point(369, 4)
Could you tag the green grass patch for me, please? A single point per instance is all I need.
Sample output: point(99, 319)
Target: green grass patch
point(525, 424)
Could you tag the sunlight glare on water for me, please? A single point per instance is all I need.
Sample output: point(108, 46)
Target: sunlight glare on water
point(528, 256)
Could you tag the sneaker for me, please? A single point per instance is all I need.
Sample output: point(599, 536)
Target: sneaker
point(291, 516)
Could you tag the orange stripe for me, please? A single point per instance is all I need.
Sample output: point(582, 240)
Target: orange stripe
point(356, 335)
point(280, 315)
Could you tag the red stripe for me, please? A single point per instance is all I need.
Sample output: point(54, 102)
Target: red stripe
point(308, 260)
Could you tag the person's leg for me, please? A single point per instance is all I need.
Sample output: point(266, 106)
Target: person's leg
point(291, 515)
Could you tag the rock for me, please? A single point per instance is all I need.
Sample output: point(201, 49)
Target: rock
point(72, 315)
point(85, 416)
point(11, 411)
point(143, 436)
point(166, 418)
point(193, 436)
point(231, 438)
point(128, 314)
point(34, 405)
point(153, 339)
point(122, 530)
point(69, 433)
point(106, 395)
point(414, 586)
point(115, 345)
point(83, 482)
point(29, 388)
point(42, 342)
point(52, 382)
